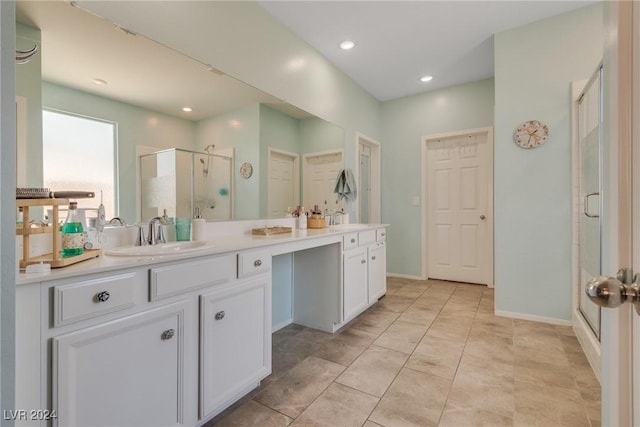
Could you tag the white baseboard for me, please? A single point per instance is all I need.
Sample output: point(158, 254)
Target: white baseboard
point(588, 341)
point(534, 318)
point(276, 328)
point(405, 276)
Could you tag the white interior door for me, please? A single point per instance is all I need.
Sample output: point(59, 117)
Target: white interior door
point(283, 183)
point(620, 327)
point(320, 173)
point(458, 200)
point(368, 180)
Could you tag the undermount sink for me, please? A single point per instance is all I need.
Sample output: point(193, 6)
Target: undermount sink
point(170, 248)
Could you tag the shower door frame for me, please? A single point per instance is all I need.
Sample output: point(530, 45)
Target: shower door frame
point(587, 337)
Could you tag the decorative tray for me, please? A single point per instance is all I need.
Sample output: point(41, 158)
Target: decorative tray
point(266, 231)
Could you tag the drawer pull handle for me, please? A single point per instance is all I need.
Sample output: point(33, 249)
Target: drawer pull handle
point(257, 263)
point(353, 240)
point(220, 315)
point(363, 261)
point(168, 334)
point(102, 296)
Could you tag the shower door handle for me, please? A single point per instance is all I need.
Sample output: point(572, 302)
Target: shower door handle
point(611, 292)
point(586, 205)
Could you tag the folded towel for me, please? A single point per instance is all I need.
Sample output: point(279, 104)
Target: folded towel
point(346, 185)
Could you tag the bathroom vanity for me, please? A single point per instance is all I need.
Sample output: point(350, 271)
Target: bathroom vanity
point(172, 340)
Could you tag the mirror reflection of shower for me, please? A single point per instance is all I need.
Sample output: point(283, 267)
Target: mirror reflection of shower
point(180, 181)
point(205, 165)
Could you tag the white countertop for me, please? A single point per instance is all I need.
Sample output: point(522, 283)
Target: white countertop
point(219, 245)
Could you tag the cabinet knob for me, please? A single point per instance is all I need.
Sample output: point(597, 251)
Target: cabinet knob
point(257, 263)
point(353, 240)
point(168, 334)
point(363, 261)
point(220, 315)
point(373, 258)
point(102, 296)
point(382, 234)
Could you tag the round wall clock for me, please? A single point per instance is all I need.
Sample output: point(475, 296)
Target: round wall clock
point(531, 134)
point(246, 170)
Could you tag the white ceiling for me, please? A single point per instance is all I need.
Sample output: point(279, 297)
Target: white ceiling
point(78, 47)
point(397, 42)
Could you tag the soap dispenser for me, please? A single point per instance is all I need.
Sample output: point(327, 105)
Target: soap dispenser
point(198, 225)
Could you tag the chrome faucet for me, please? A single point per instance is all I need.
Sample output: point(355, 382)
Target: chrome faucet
point(156, 235)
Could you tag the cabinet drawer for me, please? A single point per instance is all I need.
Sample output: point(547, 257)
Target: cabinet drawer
point(380, 235)
point(91, 298)
point(366, 237)
point(178, 278)
point(349, 241)
point(253, 262)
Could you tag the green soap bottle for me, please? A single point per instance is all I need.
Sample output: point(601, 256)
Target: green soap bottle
point(72, 233)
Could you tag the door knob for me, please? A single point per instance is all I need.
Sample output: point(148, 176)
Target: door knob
point(611, 292)
point(482, 217)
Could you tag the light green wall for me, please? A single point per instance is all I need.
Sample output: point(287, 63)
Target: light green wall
point(277, 131)
point(136, 126)
point(404, 122)
point(239, 130)
point(317, 135)
point(534, 67)
point(243, 40)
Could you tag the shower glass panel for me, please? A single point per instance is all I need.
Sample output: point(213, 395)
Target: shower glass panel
point(183, 182)
point(590, 115)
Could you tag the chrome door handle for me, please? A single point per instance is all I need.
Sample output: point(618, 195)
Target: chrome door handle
point(611, 292)
point(586, 205)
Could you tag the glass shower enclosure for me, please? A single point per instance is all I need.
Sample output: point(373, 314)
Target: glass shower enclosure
point(590, 238)
point(184, 182)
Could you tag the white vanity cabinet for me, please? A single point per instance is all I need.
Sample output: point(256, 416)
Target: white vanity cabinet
point(128, 372)
point(377, 270)
point(355, 292)
point(364, 270)
point(235, 342)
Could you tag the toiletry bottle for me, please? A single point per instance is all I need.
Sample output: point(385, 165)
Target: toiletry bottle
point(198, 225)
point(302, 221)
point(72, 233)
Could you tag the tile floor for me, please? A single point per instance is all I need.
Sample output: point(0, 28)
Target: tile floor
point(428, 354)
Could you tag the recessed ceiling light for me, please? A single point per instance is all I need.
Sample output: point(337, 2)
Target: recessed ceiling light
point(347, 44)
point(426, 78)
point(100, 82)
point(187, 109)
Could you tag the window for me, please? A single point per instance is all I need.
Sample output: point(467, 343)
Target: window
point(79, 153)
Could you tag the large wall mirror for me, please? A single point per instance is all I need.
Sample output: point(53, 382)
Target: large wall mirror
point(90, 69)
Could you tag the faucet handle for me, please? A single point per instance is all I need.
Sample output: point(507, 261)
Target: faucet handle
point(140, 240)
point(160, 236)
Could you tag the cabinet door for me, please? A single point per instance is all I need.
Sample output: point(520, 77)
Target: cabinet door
point(377, 271)
point(355, 282)
point(129, 372)
point(235, 342)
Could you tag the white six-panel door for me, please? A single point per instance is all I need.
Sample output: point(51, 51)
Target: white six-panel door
point(320, 173)
point(283, 182)
point(458, 198)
